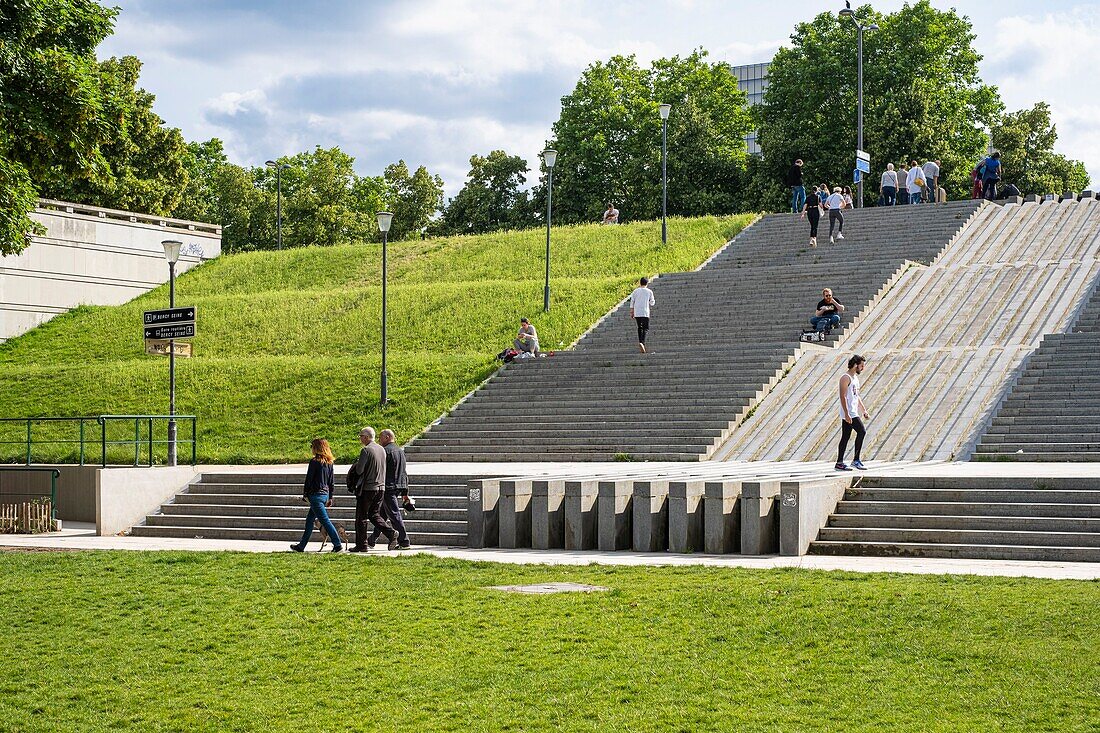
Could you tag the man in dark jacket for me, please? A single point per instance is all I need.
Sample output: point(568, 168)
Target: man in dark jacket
point(397, 489)
point(798, 191)
point(371, 469)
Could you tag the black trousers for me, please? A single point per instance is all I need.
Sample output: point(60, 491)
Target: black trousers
point(846, 433)
point(391, 507)
point(643, 327)
point(835, 217)
point(814, 215)
point(368, 510)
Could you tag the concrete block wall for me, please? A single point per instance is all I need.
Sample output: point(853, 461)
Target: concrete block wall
point(93, 256)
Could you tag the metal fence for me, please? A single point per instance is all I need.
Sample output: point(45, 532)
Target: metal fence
point(106, 437)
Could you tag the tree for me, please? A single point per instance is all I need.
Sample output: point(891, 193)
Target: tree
point(324, 202)
point(923, 98)
point(609, 135)
point(51, 117)
point(222, 193)
point(492, 198)
point(1026, 140)
point(412, 199)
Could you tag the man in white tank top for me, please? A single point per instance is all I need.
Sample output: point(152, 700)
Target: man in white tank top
point(852, 410)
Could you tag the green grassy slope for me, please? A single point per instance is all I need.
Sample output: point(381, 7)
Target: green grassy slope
point(288, 344)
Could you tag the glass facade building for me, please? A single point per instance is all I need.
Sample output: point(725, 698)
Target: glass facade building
point(752, 79)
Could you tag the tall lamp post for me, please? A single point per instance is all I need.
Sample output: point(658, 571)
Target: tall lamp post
point(549, 157)
point(279, 197)
point(385, 218)
point(172, 254)
point(860, 27)
point(665, 109)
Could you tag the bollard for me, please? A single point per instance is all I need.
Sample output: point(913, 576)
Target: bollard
point(614, 511)
point(650, 516)
point(515, 514)
point(481, 514)
point(685, 516)
point(547, 515)
point(580, 514)
point(722, 517)
point(759, 518)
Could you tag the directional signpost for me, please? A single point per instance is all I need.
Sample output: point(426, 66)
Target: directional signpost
point(167, 325)
point(863, 166)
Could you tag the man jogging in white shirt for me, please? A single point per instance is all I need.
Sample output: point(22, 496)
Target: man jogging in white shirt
point(641, 300)
point(851, 410)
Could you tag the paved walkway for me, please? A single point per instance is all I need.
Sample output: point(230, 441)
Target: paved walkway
point(77, 536)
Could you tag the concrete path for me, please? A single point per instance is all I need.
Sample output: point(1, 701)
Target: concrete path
point(77, 536)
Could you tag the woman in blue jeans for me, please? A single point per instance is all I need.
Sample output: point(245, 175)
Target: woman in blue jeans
point(318, 492)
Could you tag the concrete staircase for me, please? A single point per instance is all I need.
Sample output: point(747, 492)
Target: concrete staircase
point(943, 345)
point(971, 518)
point(1053, 411)
point(268, 506)
point(721, 337)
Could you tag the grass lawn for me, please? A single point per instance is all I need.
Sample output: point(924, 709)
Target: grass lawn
point(232, 642)
point(288, 342)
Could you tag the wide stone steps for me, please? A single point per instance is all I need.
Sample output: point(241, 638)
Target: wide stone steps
point(269, 507)
point(721, 337)
point(997, 518)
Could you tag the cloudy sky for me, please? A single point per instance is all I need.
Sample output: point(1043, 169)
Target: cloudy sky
point(435, 81)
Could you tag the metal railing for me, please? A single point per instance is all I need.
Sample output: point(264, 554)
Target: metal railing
point(90, 440)
point(54, 475)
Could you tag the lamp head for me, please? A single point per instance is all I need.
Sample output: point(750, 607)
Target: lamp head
point(665, 110)
point(872, 27)
point(550, 156)
point(848, 13)
point(271, 164)
point(171, 250)
point(385, 218)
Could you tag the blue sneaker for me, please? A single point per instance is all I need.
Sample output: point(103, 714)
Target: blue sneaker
point(859, 465)
point(842, 467)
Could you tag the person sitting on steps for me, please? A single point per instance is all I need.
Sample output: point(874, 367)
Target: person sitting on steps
point(828, 312)
point(527, 339)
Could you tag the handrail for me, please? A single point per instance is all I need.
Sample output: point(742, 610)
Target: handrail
point(103, 421)
point(55, 474)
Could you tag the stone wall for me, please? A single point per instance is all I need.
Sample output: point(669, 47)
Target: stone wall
point(93, 256)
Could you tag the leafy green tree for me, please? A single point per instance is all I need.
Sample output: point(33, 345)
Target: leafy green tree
point(413, 199)
point(145, 161)
point(324, 201)
point(51, 111)
point(492, 199)
point(609, 139)
point(1026, 140)
point(923, 98)
point(222, 193)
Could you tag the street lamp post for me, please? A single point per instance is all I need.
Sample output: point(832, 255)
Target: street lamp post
point(385, 218)
point(172, 254)
point(665, 109)
point(279, 197)
point(549, 157)
point(860, 27)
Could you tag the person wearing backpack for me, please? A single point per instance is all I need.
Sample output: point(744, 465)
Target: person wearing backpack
point(991, 172)
point(318, 493)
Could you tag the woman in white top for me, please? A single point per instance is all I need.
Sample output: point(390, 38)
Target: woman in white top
point(888, 187)
point(915, 189)
point(848, 198)
point(834, 204)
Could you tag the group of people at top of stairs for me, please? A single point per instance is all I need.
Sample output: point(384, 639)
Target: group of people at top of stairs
point(380, 483)
point(911, 184)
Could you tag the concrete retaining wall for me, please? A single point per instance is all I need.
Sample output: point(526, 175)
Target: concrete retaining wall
point(124, 496)
point(93, 256)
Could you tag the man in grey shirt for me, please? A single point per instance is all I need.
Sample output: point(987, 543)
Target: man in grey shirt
point(371, 470)
point(397, 489)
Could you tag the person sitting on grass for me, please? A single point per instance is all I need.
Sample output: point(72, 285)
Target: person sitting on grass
point(527, 339)
point(828, 312)
point(611, 216)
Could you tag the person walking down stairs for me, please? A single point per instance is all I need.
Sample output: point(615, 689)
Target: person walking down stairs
point(852, 413)
point(641, 300)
